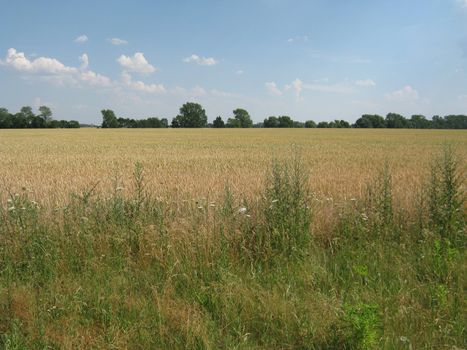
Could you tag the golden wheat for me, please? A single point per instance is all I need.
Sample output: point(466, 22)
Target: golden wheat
point(189, 164)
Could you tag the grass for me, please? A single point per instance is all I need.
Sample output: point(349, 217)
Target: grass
point(281, 263)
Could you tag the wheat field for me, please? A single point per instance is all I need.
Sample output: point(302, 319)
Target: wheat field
point(186, 164)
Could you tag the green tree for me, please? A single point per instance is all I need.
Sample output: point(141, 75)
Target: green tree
point(233, 123)
point(6, 119)
point(310, 124)
point(370, 121)
point(218, 123)
point(396, 121)
point(455, 121)
point(243, 117)
point(271, 122)
point(418, 121)
point(323, 125)
point(285, 121)
point(46, 114)
point(192, 115)
point(109, 120)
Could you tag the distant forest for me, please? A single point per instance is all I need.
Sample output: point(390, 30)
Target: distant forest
point(192, 115)
point(26, 119)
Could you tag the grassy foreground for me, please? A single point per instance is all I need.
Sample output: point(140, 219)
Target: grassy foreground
point(135, 271)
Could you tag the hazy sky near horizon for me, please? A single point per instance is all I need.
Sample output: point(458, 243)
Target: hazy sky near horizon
point(309, 59)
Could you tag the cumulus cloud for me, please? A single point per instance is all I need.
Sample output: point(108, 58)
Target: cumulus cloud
point(117, 41)
point(273, 89)
point(137, 63)
point(81, 39)
point(95, 79)
point(52, 70)
point(407, 93)
point(84, 61)
point(297, 86)
point(202, 61)
point(19, 61)
point(365, 83)
point(141, 86)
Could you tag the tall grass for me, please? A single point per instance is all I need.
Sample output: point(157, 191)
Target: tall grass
point(138, 271)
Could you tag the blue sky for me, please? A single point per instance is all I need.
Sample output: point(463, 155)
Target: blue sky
point(310, 59)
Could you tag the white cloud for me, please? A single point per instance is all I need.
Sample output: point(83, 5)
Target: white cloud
point(46, 65)
point(365, 83)
point(81, 39)
point(407, 93)
point(84, 61)
point(137, 63)
point(273, 89)
point(297, 85)
point(202, 61)
point(239, 72)
point(463, 3)
point(95, 79)
point(141, 86)
point(52, 70)
point(117, 41)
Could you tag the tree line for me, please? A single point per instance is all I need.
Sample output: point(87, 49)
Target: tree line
point(26, 119)
point(193, 115)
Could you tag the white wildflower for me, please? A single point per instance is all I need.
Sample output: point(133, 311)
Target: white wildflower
point(242, 210)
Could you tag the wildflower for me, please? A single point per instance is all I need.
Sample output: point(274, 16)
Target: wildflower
point(11, 208)
point(9, 200)
point(275, 201)
point(248, 215)
point(242, 210)
point(364, 217)
point(212, 205)
point(200, 207)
